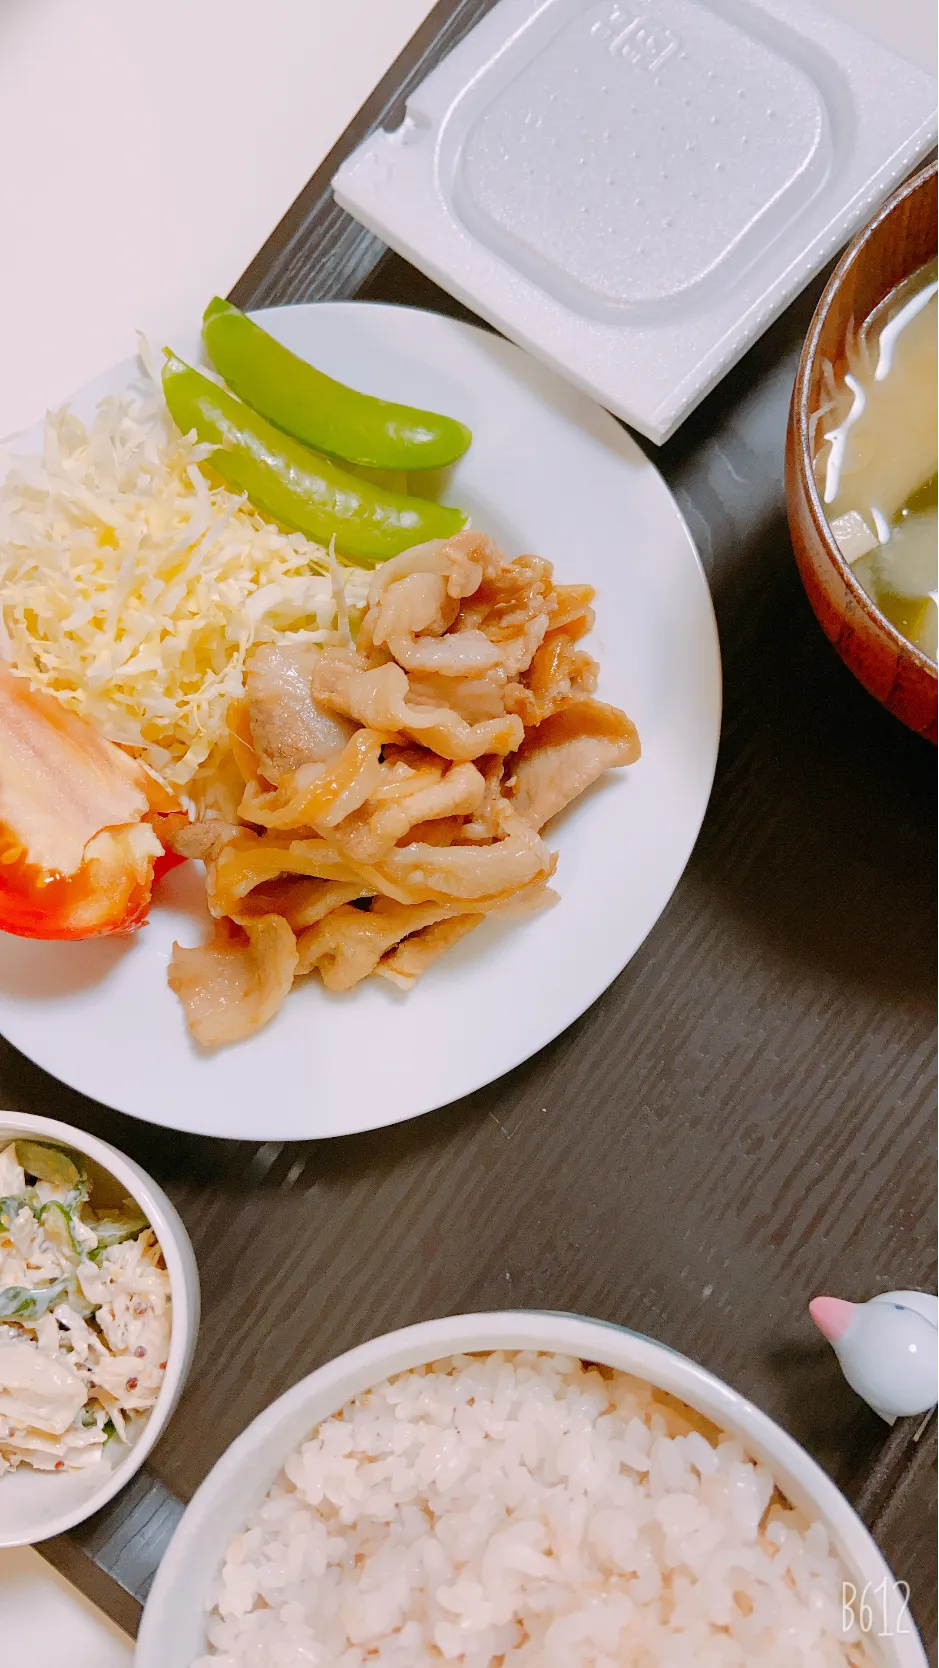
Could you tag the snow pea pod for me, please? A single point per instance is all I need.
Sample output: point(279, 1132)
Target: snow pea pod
point(298, 487)
point(316, 409)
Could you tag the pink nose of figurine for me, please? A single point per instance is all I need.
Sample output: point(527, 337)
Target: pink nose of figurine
point(832, 1316)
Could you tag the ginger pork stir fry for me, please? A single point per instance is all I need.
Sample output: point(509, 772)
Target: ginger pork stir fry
point(84, 1314)
point(395, 791)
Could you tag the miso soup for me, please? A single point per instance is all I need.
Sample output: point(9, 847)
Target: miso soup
point(876, 457)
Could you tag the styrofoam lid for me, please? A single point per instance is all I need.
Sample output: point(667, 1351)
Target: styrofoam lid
point(635, 196)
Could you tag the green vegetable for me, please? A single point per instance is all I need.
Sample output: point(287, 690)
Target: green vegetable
point(29, 1302)
point(58, 1225)
point(112, 1230)
point(76, 1196)
point(319, 411)
point(10, 1208)
point(48, 1164)
point(298, 487)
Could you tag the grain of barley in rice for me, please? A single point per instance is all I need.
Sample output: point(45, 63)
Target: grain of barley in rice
point(518, 1510)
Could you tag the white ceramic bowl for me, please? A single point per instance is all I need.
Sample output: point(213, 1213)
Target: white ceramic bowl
point(37, 1504)
point(172, 1633)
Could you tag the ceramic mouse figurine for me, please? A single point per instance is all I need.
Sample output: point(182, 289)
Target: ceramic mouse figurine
point(888, 1348)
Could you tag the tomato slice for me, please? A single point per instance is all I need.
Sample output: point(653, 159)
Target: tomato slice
point(110, 891)
point(77, 855)
point(163, 865)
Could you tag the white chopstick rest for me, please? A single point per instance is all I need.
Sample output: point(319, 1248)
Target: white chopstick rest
point(888, 1348)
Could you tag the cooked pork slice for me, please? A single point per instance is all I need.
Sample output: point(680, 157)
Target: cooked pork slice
point(348, 944)
point(485, 824)
point(573, 612)
point(404, 965)
point(420, 873)
point(414, 603)
point(565, 754)
point(319, 792)
point(379, 699)
point(234, 985)
point(458, 794)
point(512, 609)
point(460, 654)
point(249, 862)
point(289, 728)
point(463, 560)
point(301, 901)
point(202, 839)
point(382, 797)
point(474, 698)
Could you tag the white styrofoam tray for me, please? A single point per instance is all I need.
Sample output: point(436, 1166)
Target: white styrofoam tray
point(634, 196)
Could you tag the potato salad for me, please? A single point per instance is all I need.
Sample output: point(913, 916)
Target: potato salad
point(85, 1314)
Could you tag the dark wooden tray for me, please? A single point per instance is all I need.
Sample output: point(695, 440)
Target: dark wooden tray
point(744, 1119)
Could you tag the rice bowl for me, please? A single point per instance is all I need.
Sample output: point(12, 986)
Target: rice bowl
point(394, 1615)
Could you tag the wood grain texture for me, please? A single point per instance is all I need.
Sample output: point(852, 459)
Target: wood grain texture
point(66, 1555)
point(130, 1541)
point(744, 1119)
point(905, 1527)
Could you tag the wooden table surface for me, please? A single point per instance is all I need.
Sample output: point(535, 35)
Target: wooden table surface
point(744, 1119)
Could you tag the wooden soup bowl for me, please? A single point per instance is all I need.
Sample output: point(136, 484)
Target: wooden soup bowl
point(900, 238)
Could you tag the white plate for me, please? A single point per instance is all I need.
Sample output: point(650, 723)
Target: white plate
point(550, 472)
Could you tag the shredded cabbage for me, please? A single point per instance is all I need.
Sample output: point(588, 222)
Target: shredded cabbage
point(133, 590)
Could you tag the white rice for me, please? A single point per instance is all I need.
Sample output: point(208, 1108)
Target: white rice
point(524, 1510)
